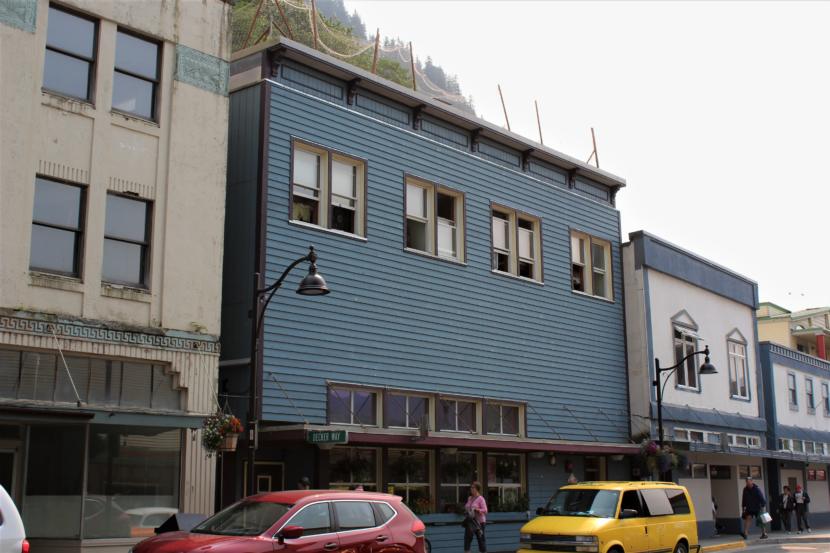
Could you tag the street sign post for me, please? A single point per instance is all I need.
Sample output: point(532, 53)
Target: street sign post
point(327, 437)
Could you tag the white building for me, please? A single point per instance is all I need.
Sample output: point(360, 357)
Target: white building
point(677, 303)
point(113, 126)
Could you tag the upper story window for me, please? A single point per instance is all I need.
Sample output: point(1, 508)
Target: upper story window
point(685, 342)
point(328, 189)
point(406, 411)
point(811, 395)
point(57, 227)
point(792, 391)
point(517, 243)
point(434, 219)
point(457, 415)
point(591, 265)
point(136, 75)
point(825, 397)
point(352, 406)
point(126, 241)
point(70, 54)
point(502, 419)
point(738, 372)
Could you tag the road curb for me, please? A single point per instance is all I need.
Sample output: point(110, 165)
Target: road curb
point(720, 546)
point(801, 539)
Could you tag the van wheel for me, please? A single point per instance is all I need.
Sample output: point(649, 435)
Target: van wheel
point(616, 549)
point(681, 547)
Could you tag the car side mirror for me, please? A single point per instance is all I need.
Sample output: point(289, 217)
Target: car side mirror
point(540, 511)
point(290, 533)
point(629, 513)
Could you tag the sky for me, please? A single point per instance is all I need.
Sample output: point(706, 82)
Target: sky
point(717, 114)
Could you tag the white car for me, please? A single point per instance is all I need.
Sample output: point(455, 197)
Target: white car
point(12, 534)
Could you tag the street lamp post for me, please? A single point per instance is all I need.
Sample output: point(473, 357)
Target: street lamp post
point(705, 368)
point(312, 285)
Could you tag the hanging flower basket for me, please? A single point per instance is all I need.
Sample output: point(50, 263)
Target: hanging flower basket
point(220, 432)
point(662, 460)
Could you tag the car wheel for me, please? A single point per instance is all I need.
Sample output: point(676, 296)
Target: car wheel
point(427, 546)
point(681, 547)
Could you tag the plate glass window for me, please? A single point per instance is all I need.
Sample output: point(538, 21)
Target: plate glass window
point(126, 241)
point(57, 227)
point(417, 219)
point(591, 265)
point(825, 397)
point(501, 242)
point(685, 342)
point(457, 416)
point(504, 482)
point(70, 54)
point(343, 196)
point(136, 75)
point(516, 243)
point(406, 411)
point(409, 473)
point(350, 467)
point(738, 374)
point(811, 395)
point(434, 220)
point(456, 471)
point(792, 390)
point(447, 225)
point(347, 406)
point(578, 256)
point(307, 186)
point(502, 419)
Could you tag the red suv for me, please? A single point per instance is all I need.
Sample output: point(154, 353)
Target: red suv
point(304, 520)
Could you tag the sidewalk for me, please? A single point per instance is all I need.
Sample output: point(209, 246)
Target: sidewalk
point(733, 541)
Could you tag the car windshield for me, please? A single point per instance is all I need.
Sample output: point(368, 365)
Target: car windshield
point(248, 518)
point(583, 503)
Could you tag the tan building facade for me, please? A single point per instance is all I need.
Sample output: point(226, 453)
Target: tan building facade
point(807, 331)
point(113, 148)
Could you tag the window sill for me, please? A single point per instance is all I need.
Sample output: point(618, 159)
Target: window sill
point(134, 118)
point(120, 291)
point(59, 100)
point(793, 408)
point(687, 389)
point(515, 277)
point(741, 398)
point(57, 282)
point(428, 255)
point(587, 295)
point(811, 411)
point(334, 232)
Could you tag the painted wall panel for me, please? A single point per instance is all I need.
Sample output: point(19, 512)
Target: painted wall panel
point(398, 319)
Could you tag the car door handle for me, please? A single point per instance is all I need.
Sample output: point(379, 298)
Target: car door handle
point(330, 546)
point(646, 529)
point(382, 538)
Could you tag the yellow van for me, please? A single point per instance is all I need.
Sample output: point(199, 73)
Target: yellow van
point(614, 517)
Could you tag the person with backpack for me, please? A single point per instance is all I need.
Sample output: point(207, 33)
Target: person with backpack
point(786, 506)
point(802, 499)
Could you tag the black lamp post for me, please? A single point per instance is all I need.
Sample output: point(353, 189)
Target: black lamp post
point(312, 285)
point(705, 368)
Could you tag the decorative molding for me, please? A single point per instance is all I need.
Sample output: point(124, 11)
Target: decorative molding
point(63, 172)
point(147, 191)
point(81, 330)
point(798, 356)
point(20, 14)
point(202, 70)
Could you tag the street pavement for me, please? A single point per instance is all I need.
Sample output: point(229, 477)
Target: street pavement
point(778, 542)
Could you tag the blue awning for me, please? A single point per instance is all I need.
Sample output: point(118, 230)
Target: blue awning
point(708, 418)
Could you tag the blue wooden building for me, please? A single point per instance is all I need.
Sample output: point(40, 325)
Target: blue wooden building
point(475, 329)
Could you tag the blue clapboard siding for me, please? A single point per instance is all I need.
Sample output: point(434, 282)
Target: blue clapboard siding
point(403, 320)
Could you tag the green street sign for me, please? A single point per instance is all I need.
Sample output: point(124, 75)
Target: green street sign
point(327, 437)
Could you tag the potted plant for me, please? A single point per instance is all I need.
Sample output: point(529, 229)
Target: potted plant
point(661, 459)
point(220, 432)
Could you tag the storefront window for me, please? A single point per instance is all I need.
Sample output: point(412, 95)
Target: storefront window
point(132, 482)
point(409, 478)
point(504, 483)
point(350, 467)
point(455, 473)
point(54, 480)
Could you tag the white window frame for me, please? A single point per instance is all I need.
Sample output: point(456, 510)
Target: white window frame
point(810, 395)
point(792, 391)
point(685, 334)
point(515, 220)
point(352, 390)
point(501, 406)
point(433, 222)
point(582, 255)
point(326, 198)
point(409, 423)
point(738, 369)
point(460, 487)
point(502, 487)
point(476, 415)
point(406, 486)
point(825, 398)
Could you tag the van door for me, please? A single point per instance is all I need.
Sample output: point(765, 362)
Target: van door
point(633, 532)
point(661, 538)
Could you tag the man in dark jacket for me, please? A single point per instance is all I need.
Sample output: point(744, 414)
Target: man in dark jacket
point(802, 499)
point(786, 506)
point(753, 504)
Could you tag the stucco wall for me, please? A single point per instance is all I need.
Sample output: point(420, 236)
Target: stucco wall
point(716, 318)
point(776, 330)
point(178, 163)
point(636, 324)
point(798, 417)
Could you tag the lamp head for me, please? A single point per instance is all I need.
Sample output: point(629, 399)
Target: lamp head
point(707, 367)
point(313, 284)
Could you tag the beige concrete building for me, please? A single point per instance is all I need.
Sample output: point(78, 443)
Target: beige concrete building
point(113, 135)
point(807, 331)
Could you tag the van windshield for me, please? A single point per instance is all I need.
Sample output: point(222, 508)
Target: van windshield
point(583, 503)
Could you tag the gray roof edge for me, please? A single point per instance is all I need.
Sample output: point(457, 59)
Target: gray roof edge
point(632, 236)
point(560, 159)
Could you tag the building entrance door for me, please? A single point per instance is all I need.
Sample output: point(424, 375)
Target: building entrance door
point(269, 476)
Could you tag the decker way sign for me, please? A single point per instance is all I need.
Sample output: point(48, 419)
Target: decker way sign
point(327, 437)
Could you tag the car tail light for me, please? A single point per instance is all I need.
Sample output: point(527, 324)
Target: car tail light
point(418, 528)
point(24, 547)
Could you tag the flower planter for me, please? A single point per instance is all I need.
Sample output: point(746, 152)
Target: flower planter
point(229, 442)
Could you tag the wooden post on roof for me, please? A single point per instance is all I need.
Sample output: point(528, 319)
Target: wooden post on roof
point(253, 23)
point(284, 18)
point(314, 23)
point(596, 154)
point(375, 57)
point(504, 107)
point(538, 122)
point(412, 64)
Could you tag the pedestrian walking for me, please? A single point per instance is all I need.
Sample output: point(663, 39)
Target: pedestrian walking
point(802, 500)
point(786, 506)
point(475, 519)
point(753, 504)
point(715, 517)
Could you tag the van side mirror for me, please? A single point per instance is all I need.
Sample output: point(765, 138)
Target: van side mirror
point(540, 511)
point(290, 533)
point(629, 513)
